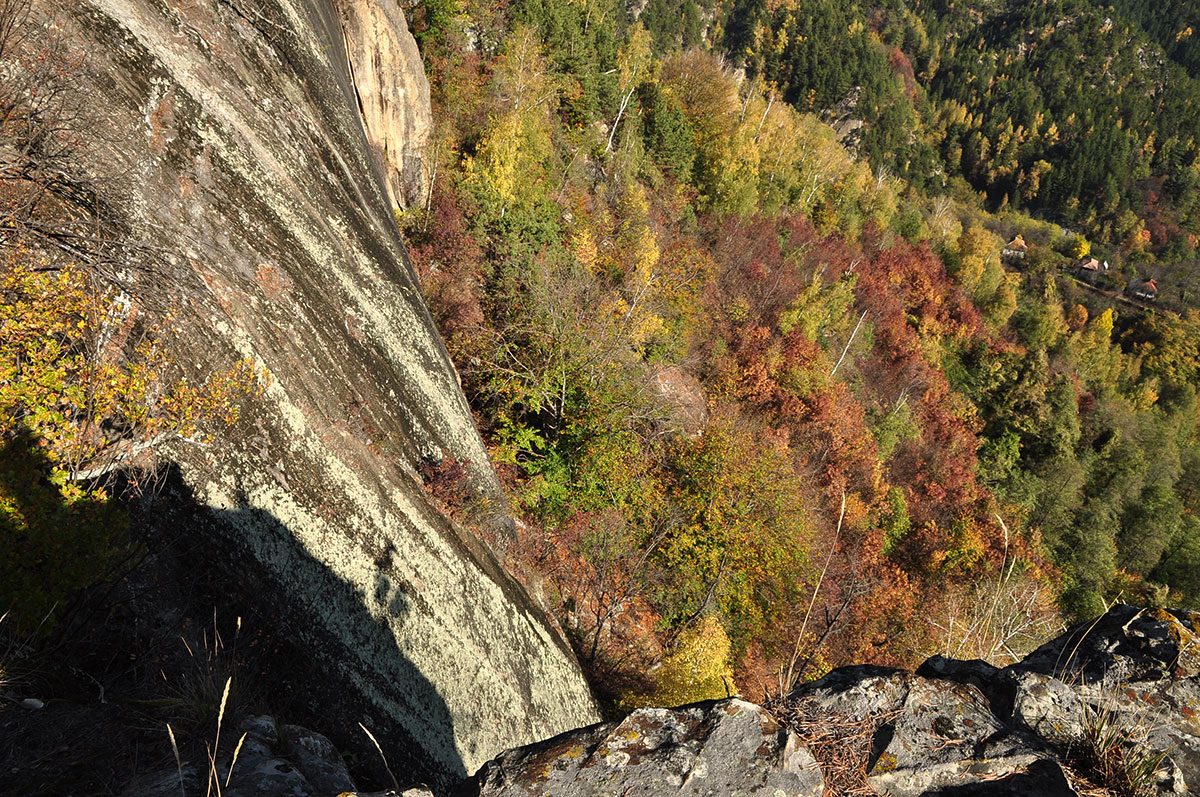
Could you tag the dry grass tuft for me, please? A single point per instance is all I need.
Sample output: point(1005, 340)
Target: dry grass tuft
point(1114, 752)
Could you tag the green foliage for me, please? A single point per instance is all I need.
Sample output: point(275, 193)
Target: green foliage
point(667, 132)
point(740, 542)
point(611, 212)
point(817, 54)
point(1179, 565)
point(1147, 526)
point(431, 21)
point(675, 23)
point(892, 427)
point(958, 97)
point(581, 41)
point(58, 537)
point(896, 523)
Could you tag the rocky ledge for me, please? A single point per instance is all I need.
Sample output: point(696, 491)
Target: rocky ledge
point(1109, 707)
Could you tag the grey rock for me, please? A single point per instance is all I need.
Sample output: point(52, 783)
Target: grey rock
point(268, 777)
point(1131, 669)
point(226, 140)
point(415, 791)
point(857, 692)
point(683, 399)
point(1048, 708)
point(985, 677)
point(294, 763)
point(277, 762)
point(945, 737)
point(168, 783)
point(954, 729)
point(1043, 778)
point(715, 748)
point(1126, 644)
point(317, 759)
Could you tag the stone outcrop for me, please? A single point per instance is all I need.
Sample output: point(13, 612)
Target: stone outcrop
point(1121, 689)
point(845, 121)
point(271, 760)
point(394, 103)
point(720, 747)
point(683, 397)
point(226, 140)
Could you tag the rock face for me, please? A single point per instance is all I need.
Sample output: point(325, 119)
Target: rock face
point(394, 102)
point(272, 761)
point(719, 747)
point(844, 120)
point(226, 138)
point(682, 395)
point(1120, 692)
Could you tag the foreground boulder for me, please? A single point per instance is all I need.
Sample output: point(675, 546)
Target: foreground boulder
point(718, 747)
point(1113, 704)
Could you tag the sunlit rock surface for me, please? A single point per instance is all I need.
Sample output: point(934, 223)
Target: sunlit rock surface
point(226, 138)
point(951, 728)
point(394, 102)
point(719, 747)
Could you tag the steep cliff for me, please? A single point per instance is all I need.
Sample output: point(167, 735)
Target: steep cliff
point(394, 103)
point(255, 160)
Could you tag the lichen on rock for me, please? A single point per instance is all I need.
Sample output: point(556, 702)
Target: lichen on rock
point(227, 138)
point(952, 728)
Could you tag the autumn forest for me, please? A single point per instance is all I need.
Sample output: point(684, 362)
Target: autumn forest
point(774, 318)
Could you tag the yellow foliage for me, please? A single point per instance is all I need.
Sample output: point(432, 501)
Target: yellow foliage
point(510, 162)
point(698, 669)
point(60, 382)
point(646, 255)
point(1100, 328)
point(79, 399)
point(708, 92)
point(1077, 318)
point(584, 245)
point(511, 157)
point(975, 247)
point(635, 62)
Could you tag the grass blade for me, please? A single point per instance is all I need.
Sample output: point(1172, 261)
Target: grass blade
point(232, 763)
point(178, 760)
point(375, 742)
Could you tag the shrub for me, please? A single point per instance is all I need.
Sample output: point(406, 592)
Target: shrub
point(697, 669)
point(1114, 753)
point(81, 398)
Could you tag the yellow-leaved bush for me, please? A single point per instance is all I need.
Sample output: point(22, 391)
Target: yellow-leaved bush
point(699, 668)
point(80, 400)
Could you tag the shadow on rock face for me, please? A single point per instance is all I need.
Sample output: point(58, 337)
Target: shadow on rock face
point(108, 673)
point(333, 676)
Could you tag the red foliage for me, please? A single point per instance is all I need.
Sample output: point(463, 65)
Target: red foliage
point(915, 311)
point(449, 264)
point(909, 298)
point(903, 67)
